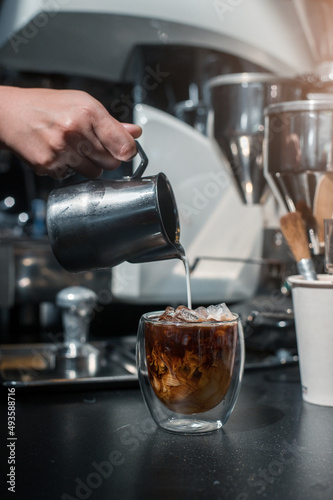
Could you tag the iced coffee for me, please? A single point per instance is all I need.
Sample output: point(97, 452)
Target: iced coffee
point(190, 357)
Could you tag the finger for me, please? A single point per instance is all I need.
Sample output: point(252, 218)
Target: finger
point(103, 159)
point(86, 167)
point(100, 156)
point(114, 137)
point(134, 130)
point(90, 148)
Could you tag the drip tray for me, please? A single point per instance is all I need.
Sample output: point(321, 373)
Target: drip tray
point(36, 365)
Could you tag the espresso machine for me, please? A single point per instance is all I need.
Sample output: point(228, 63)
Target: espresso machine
point(196, 77)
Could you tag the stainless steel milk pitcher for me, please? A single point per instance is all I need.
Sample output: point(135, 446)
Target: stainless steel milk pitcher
point(101, 223)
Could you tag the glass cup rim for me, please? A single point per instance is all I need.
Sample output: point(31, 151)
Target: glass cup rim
point(235, 318)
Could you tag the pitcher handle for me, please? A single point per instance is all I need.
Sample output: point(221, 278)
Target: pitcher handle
point(143, 164)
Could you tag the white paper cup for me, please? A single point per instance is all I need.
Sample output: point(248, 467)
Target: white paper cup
point(313, 309)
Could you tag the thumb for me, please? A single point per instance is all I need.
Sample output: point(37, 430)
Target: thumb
point(134, 130)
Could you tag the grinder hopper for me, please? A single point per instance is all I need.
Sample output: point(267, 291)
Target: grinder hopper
point(238, 102)
point(299, 161)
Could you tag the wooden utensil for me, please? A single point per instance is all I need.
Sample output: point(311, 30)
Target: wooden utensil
point(323, 202)
point(294, 231)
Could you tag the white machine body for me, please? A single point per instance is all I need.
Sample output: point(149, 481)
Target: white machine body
point(213, 220)
point(96, 38)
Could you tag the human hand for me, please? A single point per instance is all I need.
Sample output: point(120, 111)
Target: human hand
point(58, 132)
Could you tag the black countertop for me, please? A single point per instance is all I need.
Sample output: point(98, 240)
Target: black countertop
point(102, 444)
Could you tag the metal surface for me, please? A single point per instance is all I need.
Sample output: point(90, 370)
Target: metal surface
point(299, 159)
point(323, 103)
point(76, 357)
point(238, 102)
point(36, 365)
point(77, 304)
point(99, 224)
point(306, 268)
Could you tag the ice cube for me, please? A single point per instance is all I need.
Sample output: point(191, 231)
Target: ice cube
point(185, 315)
point(220, 312)
point(202, 313)
point(168, 314)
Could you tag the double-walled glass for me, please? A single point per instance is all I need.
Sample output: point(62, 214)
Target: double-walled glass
point(190, 374)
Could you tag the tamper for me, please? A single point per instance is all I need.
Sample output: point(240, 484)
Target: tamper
point(76, 357)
